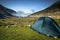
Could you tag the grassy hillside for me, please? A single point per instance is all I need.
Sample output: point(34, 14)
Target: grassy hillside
point(51, 11)
point(18, 29)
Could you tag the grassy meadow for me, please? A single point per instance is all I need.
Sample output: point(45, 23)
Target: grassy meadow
point(18, 29)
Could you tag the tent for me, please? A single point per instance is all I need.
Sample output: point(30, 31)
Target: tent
point(46, 26)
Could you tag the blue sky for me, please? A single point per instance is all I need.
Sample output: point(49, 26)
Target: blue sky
point(27, 5)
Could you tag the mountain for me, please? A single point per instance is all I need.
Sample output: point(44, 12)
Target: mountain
point(53, 11)
point(21, 14)
point(54, 7)
point(5, 12)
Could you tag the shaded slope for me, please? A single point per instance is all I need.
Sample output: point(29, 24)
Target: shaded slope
point(53, 7)
point(5, 12)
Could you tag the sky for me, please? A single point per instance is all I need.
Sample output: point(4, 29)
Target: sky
point(27, 6)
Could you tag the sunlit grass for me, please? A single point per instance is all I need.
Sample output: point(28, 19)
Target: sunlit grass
point(21, 31)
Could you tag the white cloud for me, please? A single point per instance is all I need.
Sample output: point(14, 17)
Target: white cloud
point(21, 14)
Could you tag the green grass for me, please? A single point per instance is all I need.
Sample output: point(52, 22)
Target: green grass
point(21, 31)
point(58, 21)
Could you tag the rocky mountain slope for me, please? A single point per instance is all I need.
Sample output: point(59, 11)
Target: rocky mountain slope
point(5, 12)
point(52, 11)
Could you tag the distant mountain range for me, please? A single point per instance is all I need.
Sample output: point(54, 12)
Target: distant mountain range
point(53, 11)
point(5, 12)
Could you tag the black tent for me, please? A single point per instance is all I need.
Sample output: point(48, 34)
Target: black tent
point(46, 26)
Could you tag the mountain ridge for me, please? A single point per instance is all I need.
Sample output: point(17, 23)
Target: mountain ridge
point(6, 12)
point(53, 10)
